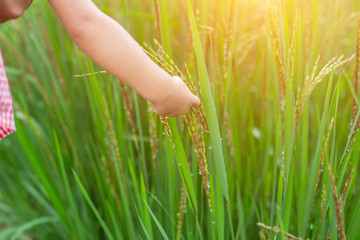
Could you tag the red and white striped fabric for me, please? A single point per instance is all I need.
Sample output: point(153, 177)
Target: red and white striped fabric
point(7, 124)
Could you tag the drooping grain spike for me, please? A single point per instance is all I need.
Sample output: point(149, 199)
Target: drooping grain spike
point(322, 207)
point(338, 207)
point(277, 230)
point(230, 137)
point(130, 114)
point(292, 53)
point(201, 139)
point(113, 139)
point(346, 188)
point(328, 235)
point(321, 167)
point(301, 99)
point(168, 131)
point(200, 112)
point(203, 148)
point(323, 152)
point(264, 87)
point(276, 43)
point(157, 14)
point(108, 175)
point(89, 74)
point(181, 213)
point(198, 152)
point(153, 137)
point(174, 70)
point(202, 119)
point(312, 81)
point(190, 80)
point(283, 161)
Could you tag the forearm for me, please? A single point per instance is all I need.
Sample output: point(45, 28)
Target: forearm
point(111, 47)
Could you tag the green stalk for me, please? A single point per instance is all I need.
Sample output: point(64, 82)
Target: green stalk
point(209, 106)
point(316, 160)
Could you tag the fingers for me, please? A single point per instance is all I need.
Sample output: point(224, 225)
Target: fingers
point(196, 101)
point(190, 100)
point(177, 101)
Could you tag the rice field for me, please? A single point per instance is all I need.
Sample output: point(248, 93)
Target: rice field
point(272, 152)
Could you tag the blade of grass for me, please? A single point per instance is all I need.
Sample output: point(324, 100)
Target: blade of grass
point(161, 229)
point(209, 107)
point(93, 208)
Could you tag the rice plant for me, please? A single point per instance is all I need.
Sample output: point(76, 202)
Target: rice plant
point(272, 152)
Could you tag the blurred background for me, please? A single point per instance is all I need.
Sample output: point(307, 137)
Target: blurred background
point(90, 160)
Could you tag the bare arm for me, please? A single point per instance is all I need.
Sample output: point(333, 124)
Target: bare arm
point(108, 44)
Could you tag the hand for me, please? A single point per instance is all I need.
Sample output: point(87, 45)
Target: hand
point(11, 9)
point(177, 101)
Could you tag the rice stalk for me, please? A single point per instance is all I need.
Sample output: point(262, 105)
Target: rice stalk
point(323, 153)
point(113, 140)
point(163, 59)
point(277, 230)
point(229, 37)
point(188, 53)
point(202, 147)
point(322, 207)
point(356, 73)
point(313, 80)
point(206, 30)
point(356, 81)
point(130, 114)
point(172, 68)
point(328, 235)
point(210, 110)
point(346, 188)
point(292, 54)
point(321, 167)
point(28, 67)
point(196, 11)
point(338, 207)
point(157, 14)
point(264, 88)
point(168, 130)
point(181, 212)
point(89, 74)
point(153, 138)
point(199, 152)
point(274, 31)
point(230, 137)
point(262, 236)
point(109, 154)
point(199, 111)
point(127, 104)
point(111, 182)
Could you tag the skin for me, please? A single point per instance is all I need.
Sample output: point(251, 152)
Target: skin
point(109, 45)
point(11, 9)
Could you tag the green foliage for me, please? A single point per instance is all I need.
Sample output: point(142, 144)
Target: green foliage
point(88, 161)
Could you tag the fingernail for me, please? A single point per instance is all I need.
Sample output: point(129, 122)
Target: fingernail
point(197, 101)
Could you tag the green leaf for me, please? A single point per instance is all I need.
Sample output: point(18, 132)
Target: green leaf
point(209, 106)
